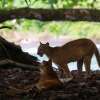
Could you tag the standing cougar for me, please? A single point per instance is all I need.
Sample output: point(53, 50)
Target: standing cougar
point(80, 50)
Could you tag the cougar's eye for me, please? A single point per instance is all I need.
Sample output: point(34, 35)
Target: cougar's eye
point(40, 53)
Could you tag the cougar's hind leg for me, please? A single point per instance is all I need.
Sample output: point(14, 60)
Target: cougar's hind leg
point(87, 62)
point(79, 66)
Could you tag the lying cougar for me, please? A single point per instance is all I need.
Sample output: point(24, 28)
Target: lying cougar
point(48, 77)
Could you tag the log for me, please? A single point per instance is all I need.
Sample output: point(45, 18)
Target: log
point(50, 14)
point(5, 62)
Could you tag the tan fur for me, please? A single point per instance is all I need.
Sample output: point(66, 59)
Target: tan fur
point(80, 50)
point(48, 77)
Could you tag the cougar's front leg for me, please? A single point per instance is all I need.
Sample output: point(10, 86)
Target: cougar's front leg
point(79, 66)
point(65, 71)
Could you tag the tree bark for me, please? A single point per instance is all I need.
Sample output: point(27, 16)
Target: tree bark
point(51, 14)
point(17, 64)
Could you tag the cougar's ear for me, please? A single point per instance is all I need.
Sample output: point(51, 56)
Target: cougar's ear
point(47, 43)
point(40, 43)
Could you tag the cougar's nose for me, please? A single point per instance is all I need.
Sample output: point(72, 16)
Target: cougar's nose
point(40, 54)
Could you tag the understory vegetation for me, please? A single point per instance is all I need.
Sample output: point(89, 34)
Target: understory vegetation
point(66, 28)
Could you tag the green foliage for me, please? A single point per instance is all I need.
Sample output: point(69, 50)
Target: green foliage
point(51, 3)
point(73, 29)
point(6, 4)
point(28, 2)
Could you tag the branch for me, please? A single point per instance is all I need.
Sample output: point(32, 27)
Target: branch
point(51, 14)
point(8, 27)
point(20, 65)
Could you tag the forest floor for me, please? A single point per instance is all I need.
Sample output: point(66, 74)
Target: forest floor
point(18, 84)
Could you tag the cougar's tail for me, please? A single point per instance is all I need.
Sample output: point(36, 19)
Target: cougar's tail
point(97, 56)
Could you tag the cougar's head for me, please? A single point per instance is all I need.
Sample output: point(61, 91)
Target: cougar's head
point(42, 48)
point(46, 66)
